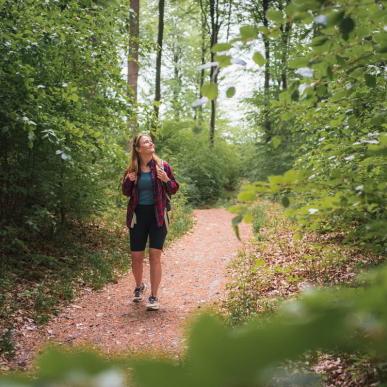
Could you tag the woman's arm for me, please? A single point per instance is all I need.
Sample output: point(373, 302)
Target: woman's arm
point(127, 185)
point(172, 186)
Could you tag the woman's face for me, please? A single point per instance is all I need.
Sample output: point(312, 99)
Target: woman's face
point(146, 146)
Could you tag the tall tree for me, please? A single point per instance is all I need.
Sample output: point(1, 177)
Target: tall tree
point(285, 37)
point(215, 26)
point(160, 35)
point(134, 22)
point(219, 12)
point(257, 10)
point(177, 82)
point(203, 53)
point(181, 48)
point(266, 41)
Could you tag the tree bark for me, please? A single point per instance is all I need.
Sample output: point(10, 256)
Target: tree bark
point(203, 52)
point(158, 68)
point(176, 55)
point(133, 61)
point(214, 15)
point(266, 42)
point(285, 35)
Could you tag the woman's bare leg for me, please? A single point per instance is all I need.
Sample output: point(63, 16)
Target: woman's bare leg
point(155, 270)
point(137, 266)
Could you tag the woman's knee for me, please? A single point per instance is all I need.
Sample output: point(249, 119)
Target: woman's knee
point(138, 256)
point(155, 255)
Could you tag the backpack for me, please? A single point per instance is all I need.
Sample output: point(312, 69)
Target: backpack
point(166, 194)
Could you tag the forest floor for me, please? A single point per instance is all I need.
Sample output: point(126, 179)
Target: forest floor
point(194, 278)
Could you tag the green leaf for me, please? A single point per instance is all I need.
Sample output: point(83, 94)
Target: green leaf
point(236, 220)
point(210, 90)
point(258, 58)
point(248, 218)
point(346, 26)
point(285, 201)
point(54, 363)
point(236, 209)
point(248, 32)
point(322, 91)
point(276, 141)
point(298, 62)
point(329, 72)
point(335, 18)
point(247, 196)
point(306, 5)
point(223, 60)
point(319, 41)
point(295, 96)
point(230, 92)
point(275, 15)
point(218, 47)
point(264, 30)
point(370, 80)
point(381, 40)
point(160, 372)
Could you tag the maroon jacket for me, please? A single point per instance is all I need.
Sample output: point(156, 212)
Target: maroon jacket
point(160, 192)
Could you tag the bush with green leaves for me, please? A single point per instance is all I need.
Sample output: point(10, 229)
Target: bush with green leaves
point(206, 173)
point(63, 103)
point(333, 116)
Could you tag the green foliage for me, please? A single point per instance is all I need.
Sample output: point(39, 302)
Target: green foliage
point(35, 284)
point(230, 92)
point(258, 58)
point(205, 174)
point(328, 127)
point(63, 102)
point(180, 217)
point(210, 90)
point(75, 368)
point(248, 32)
point(259, 218)
point(349, 319)
point(284, 260)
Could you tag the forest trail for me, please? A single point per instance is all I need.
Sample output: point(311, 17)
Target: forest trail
point(194, 277)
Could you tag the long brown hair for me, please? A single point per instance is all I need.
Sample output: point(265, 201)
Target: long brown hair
point(134, 164)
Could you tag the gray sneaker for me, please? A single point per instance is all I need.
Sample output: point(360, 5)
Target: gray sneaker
point(153, 303)
point(139, 293)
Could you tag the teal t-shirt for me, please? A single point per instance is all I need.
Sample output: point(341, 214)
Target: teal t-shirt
point(145, 188)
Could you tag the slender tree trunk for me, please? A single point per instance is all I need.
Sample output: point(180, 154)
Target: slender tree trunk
point(176, 49)
point(285, 34)
point(133, 61)
point(266, 42)
point(214, 14)
point(229, 20)
point(158, 68)
point(203, 59)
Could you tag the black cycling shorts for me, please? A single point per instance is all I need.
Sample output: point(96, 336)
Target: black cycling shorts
point(146, 225)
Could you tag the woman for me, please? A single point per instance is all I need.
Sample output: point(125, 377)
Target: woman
point(148, 182)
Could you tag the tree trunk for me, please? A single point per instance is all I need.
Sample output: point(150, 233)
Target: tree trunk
point(266, 42)
point(158, 68)
point(204, 31)
point(133, 62)
point(285, 34)
point(176, 52)
point(214, 15)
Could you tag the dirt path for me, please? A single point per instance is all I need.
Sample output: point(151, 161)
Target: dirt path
point(194, 276)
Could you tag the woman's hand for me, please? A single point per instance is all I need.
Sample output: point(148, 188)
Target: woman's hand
point(132, 176)
point(161, 174)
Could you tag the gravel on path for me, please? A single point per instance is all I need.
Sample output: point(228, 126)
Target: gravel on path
point(194, 278)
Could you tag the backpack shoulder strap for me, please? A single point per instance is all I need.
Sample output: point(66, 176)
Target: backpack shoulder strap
point(168, 196)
